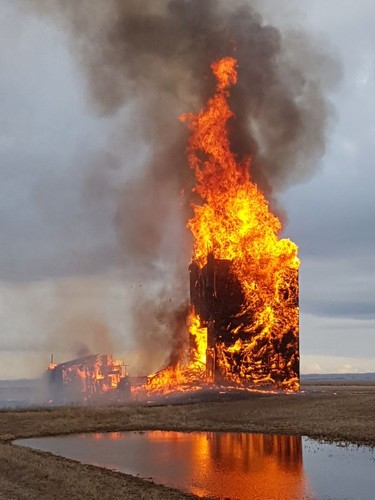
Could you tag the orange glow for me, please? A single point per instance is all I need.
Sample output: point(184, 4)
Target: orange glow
point(227, 465)
point(251, 466)
point(86, 378)
point(233, 223)
point(199, 339)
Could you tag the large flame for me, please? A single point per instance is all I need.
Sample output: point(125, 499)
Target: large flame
point(233, 222)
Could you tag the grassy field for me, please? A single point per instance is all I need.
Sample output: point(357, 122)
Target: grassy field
point(332, 412)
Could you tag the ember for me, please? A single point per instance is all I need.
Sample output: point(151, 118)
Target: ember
point(244, 319)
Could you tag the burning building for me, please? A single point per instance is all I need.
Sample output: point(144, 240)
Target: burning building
point(238, 348)
point(95, 378)
point(244, 315)
point(243, 278)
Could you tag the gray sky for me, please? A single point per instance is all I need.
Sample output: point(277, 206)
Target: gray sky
point(61, 275)
point(331, 217)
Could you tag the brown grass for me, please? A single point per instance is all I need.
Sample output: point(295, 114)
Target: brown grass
point(334, 413)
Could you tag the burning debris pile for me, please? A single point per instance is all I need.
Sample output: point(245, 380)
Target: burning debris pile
point(92, 378)
point(244, 316)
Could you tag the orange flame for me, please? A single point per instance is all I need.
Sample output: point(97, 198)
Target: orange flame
point(86, 378)
point(234, 223)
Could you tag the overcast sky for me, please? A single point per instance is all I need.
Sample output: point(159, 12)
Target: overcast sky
point(61, 276)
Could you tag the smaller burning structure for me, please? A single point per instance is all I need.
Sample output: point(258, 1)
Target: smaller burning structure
point(92, 378)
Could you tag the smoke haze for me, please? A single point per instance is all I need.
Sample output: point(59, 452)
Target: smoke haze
point(153, 59)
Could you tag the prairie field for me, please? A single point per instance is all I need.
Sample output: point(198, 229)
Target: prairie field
point(328, 411)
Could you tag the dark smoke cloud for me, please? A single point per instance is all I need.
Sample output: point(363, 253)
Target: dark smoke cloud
point(159, 52)
point(156, 55)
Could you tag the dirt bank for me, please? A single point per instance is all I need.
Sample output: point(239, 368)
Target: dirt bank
point(332, 412)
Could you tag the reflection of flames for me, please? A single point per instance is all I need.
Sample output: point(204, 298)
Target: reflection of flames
point(230, 465)
point(251, 466)
point(244, 279)
point(86, 378)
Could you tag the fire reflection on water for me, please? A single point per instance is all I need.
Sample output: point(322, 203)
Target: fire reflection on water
point(240, 465)
point(210, 464)
point(232, 465)
point(226, 465)
point(256, 465)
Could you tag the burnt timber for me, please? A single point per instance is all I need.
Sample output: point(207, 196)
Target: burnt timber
point(217, 297)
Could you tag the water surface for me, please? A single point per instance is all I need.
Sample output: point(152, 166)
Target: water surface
point(227, 465)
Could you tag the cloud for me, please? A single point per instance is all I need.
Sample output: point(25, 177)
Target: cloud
point(337, 337)
point(51, 149)
point(336, 364)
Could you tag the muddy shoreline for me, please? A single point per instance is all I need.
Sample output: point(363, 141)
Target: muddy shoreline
point(336, 413)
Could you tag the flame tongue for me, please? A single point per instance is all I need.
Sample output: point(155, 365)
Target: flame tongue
point(234, 223)
point(209, 135)
point(249, 317)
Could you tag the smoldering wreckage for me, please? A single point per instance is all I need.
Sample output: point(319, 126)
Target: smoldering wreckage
point(244, 314)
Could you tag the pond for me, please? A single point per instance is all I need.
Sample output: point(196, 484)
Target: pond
point(227, 465)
